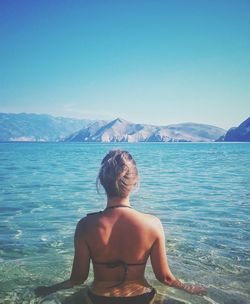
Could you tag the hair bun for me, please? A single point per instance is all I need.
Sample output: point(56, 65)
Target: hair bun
point(118, 174)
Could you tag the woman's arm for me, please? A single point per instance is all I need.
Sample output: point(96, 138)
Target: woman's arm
point(43, 291)
point(160, 264)
point(80, 268)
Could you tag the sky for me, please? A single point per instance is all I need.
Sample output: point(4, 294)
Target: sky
point(150, 61)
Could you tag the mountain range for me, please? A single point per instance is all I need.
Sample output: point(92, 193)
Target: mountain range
point(43, 127)
point(37, 127)
point(120, 130)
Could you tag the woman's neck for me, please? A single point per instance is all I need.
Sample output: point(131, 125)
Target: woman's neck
point(114, 201)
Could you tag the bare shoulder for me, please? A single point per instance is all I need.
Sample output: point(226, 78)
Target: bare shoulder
point(152, 220)
point(88, 219)
point(150, 217)
point(87, 222)
point(81, 227)
point(82, 222)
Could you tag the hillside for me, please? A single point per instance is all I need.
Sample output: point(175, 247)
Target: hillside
point(120, 130)
point(240, 133)
point(37, 127)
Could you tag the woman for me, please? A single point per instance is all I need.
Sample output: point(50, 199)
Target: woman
point(119, 240)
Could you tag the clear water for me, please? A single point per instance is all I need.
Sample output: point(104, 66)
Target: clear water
point(200, 192)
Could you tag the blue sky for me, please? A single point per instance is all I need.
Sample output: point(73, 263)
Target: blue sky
point(154, 61)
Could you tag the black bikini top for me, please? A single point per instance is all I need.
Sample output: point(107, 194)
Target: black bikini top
point(117, 263)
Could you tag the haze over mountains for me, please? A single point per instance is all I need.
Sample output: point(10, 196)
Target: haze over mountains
point(120, 130)
point(42, 127)
point(37, 127)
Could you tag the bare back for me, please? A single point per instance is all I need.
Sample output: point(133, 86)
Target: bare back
point(120, 234)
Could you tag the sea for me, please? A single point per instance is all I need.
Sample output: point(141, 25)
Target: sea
point(200, 192)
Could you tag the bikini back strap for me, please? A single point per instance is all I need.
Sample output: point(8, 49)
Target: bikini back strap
point(119, 263)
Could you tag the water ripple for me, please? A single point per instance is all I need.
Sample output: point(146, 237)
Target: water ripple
point(199, 191)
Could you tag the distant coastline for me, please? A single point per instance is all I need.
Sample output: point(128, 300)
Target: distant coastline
point(24, 127)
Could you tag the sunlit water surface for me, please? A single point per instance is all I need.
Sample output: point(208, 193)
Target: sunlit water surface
point(200, 192)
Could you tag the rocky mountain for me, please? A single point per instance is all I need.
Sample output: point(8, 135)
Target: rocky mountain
point(85, 133)
point(120, 130)
point(240, 133)
point(37, 127)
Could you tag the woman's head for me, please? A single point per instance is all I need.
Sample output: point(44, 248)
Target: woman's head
point(118, 174)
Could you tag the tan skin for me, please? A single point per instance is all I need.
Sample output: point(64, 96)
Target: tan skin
point(119, 234)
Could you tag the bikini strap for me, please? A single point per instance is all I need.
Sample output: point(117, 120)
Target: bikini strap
point(112, 207)
point(93, 213)
point(118, 263)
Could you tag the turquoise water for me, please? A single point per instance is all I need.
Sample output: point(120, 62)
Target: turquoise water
point(200, 192)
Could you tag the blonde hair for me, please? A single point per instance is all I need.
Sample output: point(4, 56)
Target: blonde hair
point(118, 174)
